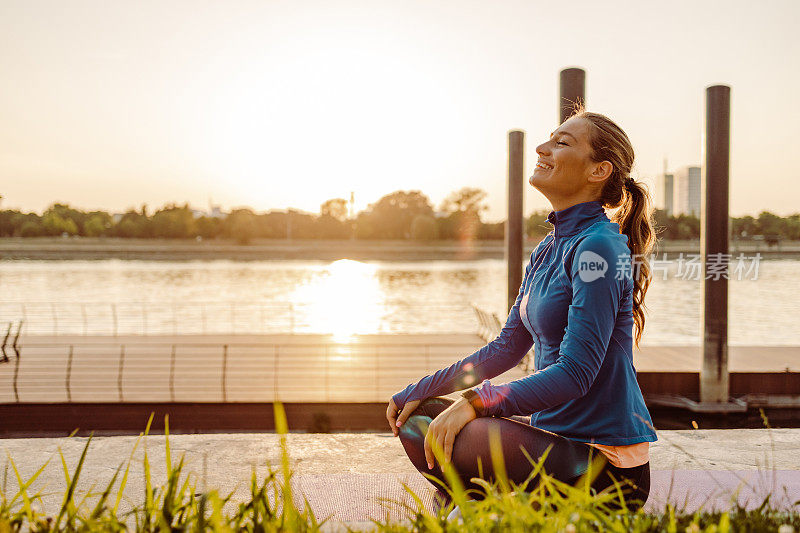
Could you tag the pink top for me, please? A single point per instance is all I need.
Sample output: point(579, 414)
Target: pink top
point(626, 456)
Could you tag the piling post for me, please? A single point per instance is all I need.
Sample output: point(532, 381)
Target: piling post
point(714, 377)
point(515, 220)
point(572, 91)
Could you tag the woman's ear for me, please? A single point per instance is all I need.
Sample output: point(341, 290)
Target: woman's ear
point(601, 171)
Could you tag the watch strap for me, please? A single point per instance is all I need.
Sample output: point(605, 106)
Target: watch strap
point(474, 400)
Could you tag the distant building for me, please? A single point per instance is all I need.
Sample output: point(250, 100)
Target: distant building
point(214, 211)
point(686, 191)
point(668, 182)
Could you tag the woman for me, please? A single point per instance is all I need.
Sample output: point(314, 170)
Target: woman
point(581, 295)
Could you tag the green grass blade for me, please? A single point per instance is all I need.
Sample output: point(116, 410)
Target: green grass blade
point(68, 505)
point(101, 502)
point(123, 482)
point(166, 445)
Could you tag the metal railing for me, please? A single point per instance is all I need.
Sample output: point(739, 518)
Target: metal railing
point(208, 372)
point(489, 324)
point(13, 345)
point(180, 318)
point(489, 328)
point(146, 318)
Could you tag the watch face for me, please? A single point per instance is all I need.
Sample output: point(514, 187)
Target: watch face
point(472, 397)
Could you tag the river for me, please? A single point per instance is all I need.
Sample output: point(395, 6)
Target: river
point(349, 297)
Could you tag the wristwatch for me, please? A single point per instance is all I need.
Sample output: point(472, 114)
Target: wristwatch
point(474, 400)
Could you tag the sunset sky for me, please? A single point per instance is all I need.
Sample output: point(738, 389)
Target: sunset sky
point(275, 104)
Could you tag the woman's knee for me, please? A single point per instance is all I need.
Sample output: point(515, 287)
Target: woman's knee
point(416, 425)
point(479, 429)
point(472, 446)
point(414, 428)
point(412, 437)
point(432, 407)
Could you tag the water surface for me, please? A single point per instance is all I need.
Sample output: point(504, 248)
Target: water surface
point(345, 297)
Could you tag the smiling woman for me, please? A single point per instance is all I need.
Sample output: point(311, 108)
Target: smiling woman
point(583, 395)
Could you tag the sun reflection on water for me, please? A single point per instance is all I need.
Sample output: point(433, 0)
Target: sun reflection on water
point(343, 298)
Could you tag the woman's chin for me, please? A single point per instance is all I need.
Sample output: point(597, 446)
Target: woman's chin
point(536, 181)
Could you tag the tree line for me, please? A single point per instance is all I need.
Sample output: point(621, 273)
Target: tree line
point(401, 215)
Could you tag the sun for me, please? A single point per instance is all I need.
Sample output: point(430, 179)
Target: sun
point(343, 298)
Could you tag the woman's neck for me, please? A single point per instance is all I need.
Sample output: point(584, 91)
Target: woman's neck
point(563, 203)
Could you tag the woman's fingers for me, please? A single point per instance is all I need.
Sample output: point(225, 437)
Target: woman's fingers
point(408, 408)
point(437, 434)
point(391, 416)
point(398, 419)
point(429, 436)
point(449, 438)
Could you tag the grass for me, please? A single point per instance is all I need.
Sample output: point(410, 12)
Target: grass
point(176, 504)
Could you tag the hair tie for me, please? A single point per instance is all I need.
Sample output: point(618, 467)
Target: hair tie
point(629, 182)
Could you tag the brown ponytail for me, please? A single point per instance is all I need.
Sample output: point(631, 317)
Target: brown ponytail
point(635, 213)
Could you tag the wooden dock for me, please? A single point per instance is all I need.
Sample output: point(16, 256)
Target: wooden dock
point(315, 370)
point(310, 368)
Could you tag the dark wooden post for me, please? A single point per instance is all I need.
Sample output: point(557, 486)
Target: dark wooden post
point(714, 378)
point(514, 222)
point(573, 89)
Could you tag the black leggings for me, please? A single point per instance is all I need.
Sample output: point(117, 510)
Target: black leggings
point(566, 461)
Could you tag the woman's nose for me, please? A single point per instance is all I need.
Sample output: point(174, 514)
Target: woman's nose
point(542, 149)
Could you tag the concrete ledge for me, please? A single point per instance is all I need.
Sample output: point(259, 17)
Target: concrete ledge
point(345, 475)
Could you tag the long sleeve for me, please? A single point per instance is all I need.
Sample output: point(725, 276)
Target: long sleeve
point(591, 319)
point(501, 354)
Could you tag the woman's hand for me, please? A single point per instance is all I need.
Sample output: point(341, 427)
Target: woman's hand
point(444, 428)
point(396, 420)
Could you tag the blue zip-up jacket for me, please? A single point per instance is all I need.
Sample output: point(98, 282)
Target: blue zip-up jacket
point(575, 306)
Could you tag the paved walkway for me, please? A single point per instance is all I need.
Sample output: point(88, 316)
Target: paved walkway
point(344, 475)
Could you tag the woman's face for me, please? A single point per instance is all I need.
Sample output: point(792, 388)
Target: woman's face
point(564, 169)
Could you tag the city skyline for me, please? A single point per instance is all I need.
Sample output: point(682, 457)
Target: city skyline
point(276, 106)
point(684, 183)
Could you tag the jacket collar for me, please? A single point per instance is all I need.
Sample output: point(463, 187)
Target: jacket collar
point(573, 219)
